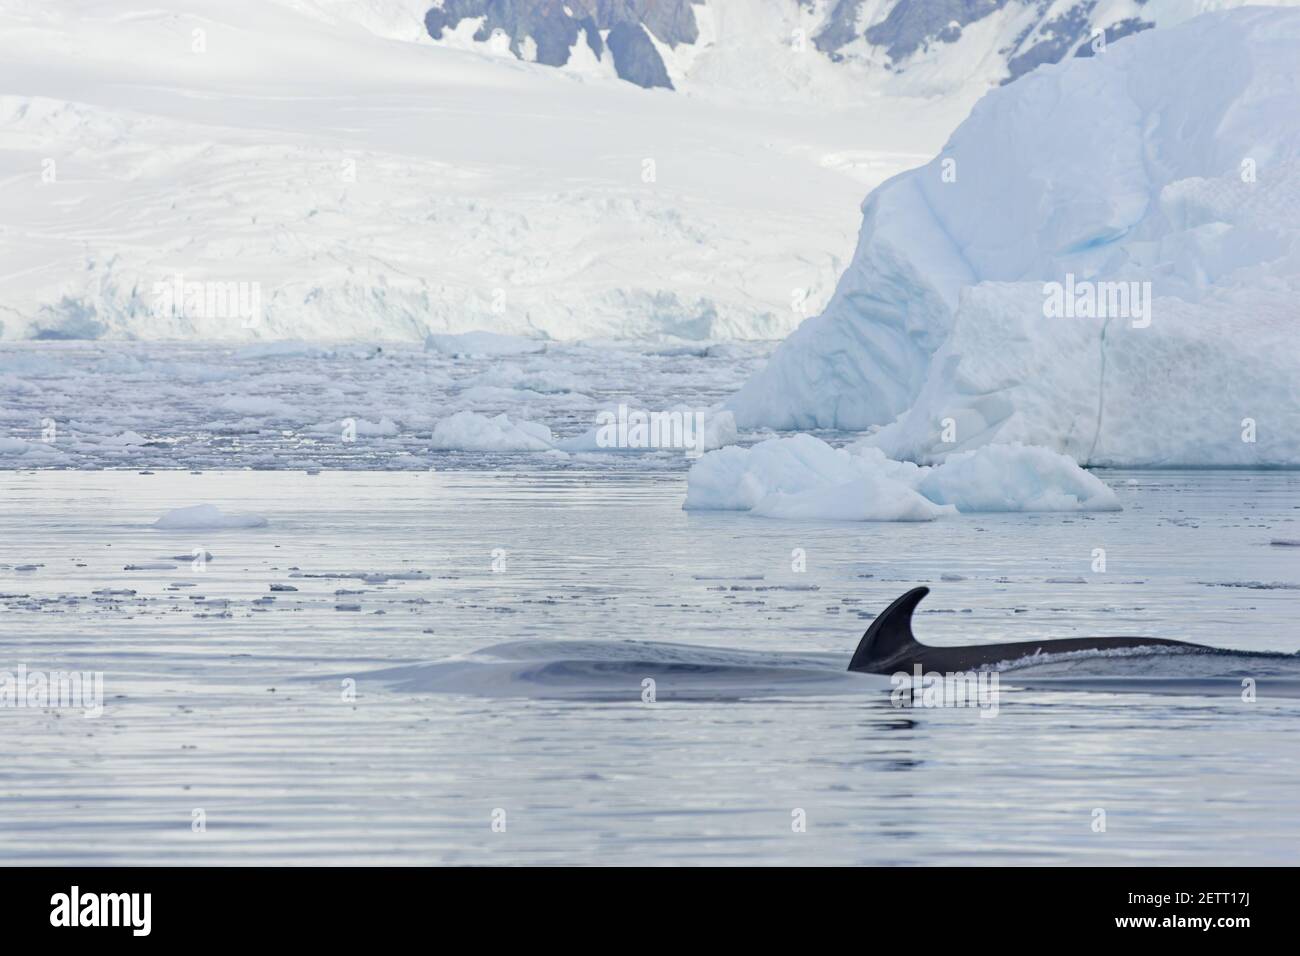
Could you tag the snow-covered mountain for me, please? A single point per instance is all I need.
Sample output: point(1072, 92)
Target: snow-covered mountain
point(1122, 285)
point(744, 47)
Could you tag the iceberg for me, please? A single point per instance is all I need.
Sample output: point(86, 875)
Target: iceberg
point(124, 440)
point(1104, 260)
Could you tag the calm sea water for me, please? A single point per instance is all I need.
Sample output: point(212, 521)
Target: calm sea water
point(366, 727)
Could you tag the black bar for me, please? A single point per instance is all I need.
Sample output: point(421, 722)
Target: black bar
point(340, 905)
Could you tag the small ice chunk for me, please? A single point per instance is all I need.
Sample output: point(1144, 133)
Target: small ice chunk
point(125, 440)
point(199, 554)
point(379, 577)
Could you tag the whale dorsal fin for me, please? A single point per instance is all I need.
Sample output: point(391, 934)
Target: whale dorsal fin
point(889, 639)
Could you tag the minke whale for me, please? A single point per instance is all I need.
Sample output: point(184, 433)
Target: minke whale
point(889, 646)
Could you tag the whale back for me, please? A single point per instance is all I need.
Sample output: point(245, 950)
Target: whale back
point(889, 641)
point(889, 645)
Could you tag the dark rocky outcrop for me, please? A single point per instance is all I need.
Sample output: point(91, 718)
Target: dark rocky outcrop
point(554, 26)
point(1121, 29)
point(913, 24)
point(635, 57)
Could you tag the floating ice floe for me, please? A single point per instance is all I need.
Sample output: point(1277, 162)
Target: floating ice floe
point(1015, 478)
point(802, 477)
point(206, 517)
point(470, 431)
point(14, 448)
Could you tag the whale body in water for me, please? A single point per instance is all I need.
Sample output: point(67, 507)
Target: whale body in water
point(638, 670)
point(889, 646)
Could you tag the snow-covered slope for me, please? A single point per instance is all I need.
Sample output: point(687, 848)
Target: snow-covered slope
point(1168, 166)
point(353, 180)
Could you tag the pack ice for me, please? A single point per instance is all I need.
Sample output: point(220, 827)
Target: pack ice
point(1104, 260)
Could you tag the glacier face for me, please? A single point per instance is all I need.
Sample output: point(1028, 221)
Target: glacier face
point(1167, 169)
point(321, 170)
